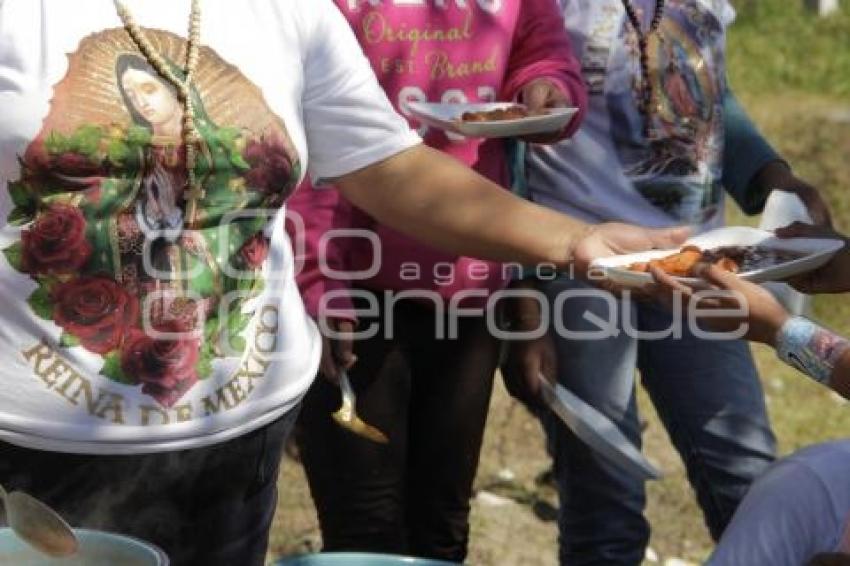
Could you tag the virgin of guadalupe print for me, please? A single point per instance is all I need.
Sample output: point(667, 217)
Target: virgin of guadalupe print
point(678, 169)
point(150, 288)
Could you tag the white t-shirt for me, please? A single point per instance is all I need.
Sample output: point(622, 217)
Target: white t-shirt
point(798, 509)
point(132, 320)
point(607, 171)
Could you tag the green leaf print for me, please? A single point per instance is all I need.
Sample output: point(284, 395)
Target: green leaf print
point(41, 303)
point(98, 235)
point(21, 195)
point(112, 369)
point(21, 216)
point(237, 322)
point(211, 328)
point(14, 255)
point(227, 136)
point(68, 340)
point(238, 161)
point(212, 334)
point(56, 143)
point(238, 344)
point(203, 282)
point(208, 347)
point(252, 285)
point(138, 135)
point(229, 139)
point(117, 151)
point(204, 367)
point(86, 140)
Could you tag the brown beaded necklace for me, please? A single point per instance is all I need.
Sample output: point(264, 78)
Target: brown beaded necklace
point(190, 134)
point(646, 90)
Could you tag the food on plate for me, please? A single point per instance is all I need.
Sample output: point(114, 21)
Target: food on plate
point(680, 264)
point(735, 259)
point(499, 114)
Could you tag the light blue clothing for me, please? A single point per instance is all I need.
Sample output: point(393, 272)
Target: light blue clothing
point(707, 394)
point(799, 509)
point(607, 171)
point(745, 153)
point(610, 170)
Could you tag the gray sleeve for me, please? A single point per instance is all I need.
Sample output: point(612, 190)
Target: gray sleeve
point(787, 517)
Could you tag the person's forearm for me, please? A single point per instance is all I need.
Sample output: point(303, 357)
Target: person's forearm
point(746, 154)
point(441, 202)
point(840, 382)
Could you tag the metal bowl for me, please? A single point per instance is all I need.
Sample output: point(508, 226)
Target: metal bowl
point(358, 559)
point(97, 548)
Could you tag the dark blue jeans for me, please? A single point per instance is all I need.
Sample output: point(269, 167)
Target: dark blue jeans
point(708, 396)
point(212, 506)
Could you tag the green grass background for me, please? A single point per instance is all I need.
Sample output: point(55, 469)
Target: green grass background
point(777, 45)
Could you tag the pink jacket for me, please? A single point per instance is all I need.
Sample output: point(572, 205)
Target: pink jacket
point(443, 50)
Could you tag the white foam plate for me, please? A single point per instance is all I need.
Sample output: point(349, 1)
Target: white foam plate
point(817, 252)
point(447, 117)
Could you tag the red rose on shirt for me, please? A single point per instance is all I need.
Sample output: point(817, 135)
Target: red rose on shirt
point(164, 365)
point(271, 167)
point(75, 166)
point(75, 170)
point(97, 310)
point(56, 242)
point(255, 251)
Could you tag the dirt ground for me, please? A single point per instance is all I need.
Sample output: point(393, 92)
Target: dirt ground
point(514, 512)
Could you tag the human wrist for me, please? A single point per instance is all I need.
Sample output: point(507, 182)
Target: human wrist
point(776, 174)
point(571, 252)
point(772, 328)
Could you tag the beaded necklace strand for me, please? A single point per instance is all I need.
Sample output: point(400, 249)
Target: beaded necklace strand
point(191, 136)
point(646, 90)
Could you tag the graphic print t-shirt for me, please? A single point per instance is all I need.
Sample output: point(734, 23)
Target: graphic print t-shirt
point(138, 314)
point(610, 170)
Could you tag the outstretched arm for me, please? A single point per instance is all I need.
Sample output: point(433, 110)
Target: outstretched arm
point(819, 353)
point(436, 199)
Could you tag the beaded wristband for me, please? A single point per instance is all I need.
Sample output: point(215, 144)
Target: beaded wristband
point(809, 348)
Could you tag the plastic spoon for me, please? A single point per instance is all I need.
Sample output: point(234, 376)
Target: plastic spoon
point(347, 417)
point(38, 525)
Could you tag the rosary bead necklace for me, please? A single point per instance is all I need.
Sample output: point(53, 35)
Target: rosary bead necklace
point(190, 135)
point(646, 90)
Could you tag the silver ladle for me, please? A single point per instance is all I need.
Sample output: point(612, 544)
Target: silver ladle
point(38, 525)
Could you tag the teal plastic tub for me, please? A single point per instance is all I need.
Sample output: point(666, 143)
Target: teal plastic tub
point(97, 548)
point(358, 559)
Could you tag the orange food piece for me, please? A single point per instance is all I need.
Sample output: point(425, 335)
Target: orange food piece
point(497, 114)
point(683, 264)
